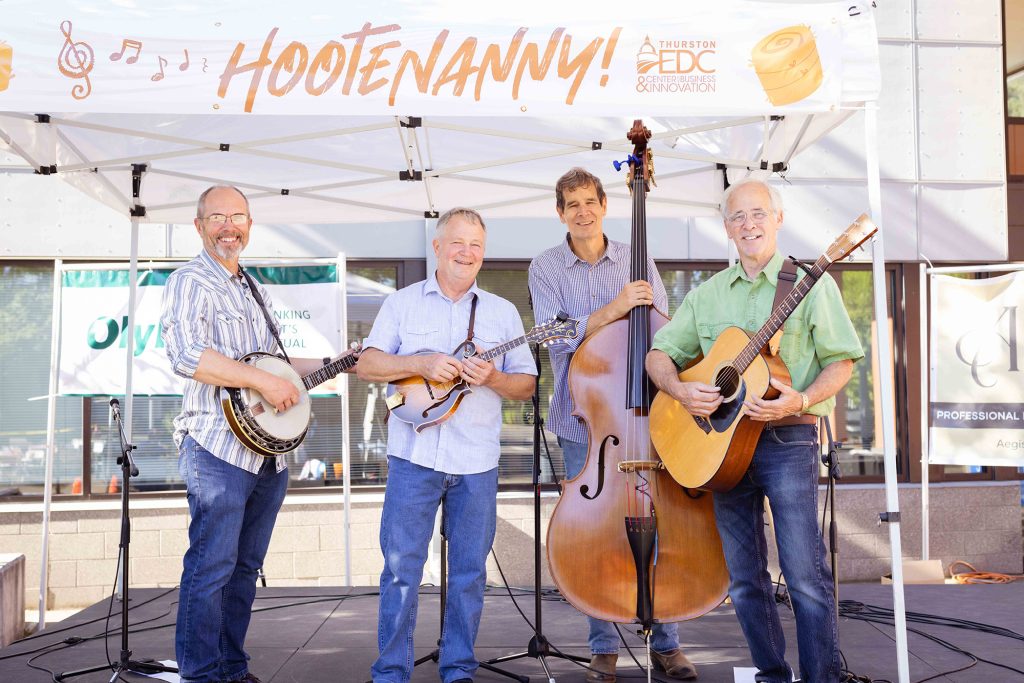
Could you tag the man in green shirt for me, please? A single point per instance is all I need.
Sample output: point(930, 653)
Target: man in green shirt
point(819, 346)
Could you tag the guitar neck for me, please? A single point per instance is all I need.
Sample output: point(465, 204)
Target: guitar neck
point(779, 316)
point(502, 349)
point(329, 371)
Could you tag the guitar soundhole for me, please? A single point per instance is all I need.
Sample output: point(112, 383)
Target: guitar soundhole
point(728, 380)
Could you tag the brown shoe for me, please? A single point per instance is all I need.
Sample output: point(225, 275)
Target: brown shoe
point(674, 663)
point(602, 668)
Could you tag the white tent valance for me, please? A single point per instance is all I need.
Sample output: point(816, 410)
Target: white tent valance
point(438, 58)
point(738, 85)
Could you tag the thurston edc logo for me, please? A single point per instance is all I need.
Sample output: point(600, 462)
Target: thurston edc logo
point(685, 66)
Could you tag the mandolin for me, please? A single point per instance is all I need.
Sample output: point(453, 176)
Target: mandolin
point(424, 403)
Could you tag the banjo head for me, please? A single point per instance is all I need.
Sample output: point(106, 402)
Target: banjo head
point(292, 423)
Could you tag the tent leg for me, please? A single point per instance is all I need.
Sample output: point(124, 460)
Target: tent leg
point(51, 420)
point(884, 385)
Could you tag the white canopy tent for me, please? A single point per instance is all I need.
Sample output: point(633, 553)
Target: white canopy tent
point(441, 103)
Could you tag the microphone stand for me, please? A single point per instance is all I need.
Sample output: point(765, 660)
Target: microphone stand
point(125, 662)
point(539, 647)
point(830, 459)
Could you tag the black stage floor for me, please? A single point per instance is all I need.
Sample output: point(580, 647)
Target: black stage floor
point(314, 635)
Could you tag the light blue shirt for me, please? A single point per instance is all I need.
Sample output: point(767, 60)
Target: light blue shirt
point(206, 307)
point(420, 318)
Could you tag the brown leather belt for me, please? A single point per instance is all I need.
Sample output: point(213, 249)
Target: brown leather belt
point(791, 420)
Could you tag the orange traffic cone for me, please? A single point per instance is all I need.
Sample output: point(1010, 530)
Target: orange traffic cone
point(114, 486)
point(76, 485)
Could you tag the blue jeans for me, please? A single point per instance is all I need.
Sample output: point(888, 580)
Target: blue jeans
point(410, 505)
point(785, 469)
point(604, 638)
point(233, 514)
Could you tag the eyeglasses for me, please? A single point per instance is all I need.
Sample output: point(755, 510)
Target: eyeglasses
point(219, 219)
point(740, 217)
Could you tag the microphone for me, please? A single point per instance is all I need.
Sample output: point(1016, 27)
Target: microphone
point(115, 407)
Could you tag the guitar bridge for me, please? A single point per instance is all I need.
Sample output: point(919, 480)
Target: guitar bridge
point(703, 423)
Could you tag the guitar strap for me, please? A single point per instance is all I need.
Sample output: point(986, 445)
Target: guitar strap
point(263, 307)
point(787, 278)
point(468, 346)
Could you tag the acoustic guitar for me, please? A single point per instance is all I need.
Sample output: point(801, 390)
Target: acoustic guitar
point(424, 403)
point(713, 452)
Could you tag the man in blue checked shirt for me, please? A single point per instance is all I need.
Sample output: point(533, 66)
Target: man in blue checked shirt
point(209, 319)
point(587, 277)
point(454, 463)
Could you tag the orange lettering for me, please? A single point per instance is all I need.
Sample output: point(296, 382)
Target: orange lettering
point(491, 58)
point(232, 69)
point(331, 52)
point(464, 57)
point(421, 72)
point(538, 69)
point(286, 60)
point(375, 63)
point(578, 64)
point(357, 50)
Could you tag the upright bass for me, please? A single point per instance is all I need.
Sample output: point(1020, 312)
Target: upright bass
point(625, 542)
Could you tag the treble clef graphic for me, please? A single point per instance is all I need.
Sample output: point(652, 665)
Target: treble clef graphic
point(75, 61)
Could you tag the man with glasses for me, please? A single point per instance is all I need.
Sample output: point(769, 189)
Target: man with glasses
point(819, 346)
point(587, 277)
point(210, 319)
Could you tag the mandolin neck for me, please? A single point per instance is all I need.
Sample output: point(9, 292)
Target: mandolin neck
point(502, 349)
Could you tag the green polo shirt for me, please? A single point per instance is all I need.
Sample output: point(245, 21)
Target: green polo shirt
point(819, 331)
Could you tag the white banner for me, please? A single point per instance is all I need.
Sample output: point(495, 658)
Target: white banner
point(977, 404)
point(94, 315)
point(436, 58)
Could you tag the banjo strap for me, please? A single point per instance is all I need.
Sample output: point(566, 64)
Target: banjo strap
point(263, 307)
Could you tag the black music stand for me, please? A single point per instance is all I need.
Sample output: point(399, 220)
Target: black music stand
point(125, 662)
point(435, 654)
point(539, 647)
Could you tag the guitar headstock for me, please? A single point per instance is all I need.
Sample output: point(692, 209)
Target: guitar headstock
point(859, 232)
point(549, 331)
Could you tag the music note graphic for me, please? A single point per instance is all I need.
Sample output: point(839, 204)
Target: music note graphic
point(127, 44)
point(184, 65)
point(75, 61)
point(159, 76)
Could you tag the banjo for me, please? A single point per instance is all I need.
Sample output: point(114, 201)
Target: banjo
point(255, 422)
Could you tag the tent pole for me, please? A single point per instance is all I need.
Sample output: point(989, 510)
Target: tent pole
point(884, 385)
point(138, 170)
point(51, 420)
point(927, 382)
point(346, 433)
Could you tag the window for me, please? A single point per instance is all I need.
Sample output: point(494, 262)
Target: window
point(26, 306)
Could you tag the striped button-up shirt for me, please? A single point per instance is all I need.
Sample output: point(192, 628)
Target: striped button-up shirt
point(206, 307)
point(421, 319)
point(562, 281)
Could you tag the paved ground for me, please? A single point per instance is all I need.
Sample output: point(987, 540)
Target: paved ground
point(329, 635)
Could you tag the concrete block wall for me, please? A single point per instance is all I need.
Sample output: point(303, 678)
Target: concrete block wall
point(979, 523)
